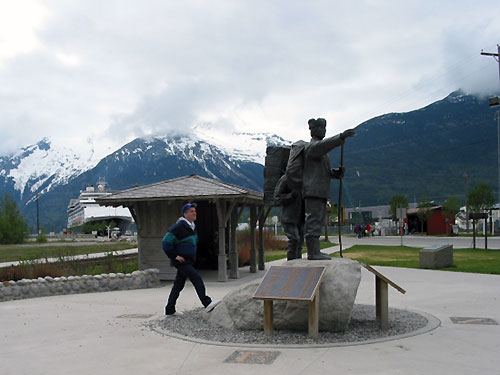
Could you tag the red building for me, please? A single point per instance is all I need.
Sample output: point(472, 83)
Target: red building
point(437, 223)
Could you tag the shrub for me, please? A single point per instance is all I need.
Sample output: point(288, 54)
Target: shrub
point(41, 238)
point(244, 243)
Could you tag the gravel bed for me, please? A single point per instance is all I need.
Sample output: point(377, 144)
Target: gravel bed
point(363, 327)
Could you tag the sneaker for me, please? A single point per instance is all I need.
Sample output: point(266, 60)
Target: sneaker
point(177, 313)
point(211, 306)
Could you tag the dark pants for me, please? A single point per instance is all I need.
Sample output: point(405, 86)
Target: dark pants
point(315, 217)
point(184, 272)
point(295, 235)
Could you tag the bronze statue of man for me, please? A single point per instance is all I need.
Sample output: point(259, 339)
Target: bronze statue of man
point(292, 216)
point(316, 182)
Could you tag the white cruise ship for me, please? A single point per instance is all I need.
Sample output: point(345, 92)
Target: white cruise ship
point(85, 209)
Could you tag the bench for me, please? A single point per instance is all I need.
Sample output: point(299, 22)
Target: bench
point(436, 256)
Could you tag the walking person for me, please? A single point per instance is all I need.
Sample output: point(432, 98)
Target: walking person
point(179, 243)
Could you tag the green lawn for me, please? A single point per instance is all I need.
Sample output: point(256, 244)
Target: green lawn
point(10, 253)
point(465, 260)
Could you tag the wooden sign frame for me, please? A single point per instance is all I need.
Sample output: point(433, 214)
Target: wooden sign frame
point(281, 282)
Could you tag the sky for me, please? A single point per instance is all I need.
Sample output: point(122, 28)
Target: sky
point(102, 73)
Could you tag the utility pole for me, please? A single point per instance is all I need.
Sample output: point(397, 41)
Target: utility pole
point(495, 56)
point(493, 103)
point(466, 176)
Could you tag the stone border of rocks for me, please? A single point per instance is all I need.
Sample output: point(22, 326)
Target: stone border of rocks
point(52, 286)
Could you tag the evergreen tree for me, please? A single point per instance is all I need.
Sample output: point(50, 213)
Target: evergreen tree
point(13, 227)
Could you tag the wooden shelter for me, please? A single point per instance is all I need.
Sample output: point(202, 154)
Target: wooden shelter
point(156, 207)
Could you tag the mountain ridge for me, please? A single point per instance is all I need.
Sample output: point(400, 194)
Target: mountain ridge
point(425, 151)
point(141, 161)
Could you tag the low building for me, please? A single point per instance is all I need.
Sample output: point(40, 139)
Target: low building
point(493, 220)
point(156, 207)
point(371, 214)
point(437, 223)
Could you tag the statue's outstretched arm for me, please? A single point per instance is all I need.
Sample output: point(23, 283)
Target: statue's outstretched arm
point(323, 147)
point(319, 148)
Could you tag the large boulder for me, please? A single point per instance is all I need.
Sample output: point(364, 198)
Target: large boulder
point(337, 293)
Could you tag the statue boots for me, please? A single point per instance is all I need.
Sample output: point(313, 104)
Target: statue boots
point(313, 252)
point(299, 248)
point(291, 250)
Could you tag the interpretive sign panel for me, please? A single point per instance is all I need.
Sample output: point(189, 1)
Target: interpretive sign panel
point(290, 283)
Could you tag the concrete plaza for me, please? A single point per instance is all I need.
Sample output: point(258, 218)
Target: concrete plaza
point(104, 333)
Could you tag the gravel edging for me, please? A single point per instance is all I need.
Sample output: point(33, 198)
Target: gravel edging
point(363, 329)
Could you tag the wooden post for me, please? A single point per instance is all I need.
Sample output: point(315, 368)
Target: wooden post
point(234, 272)
point(268, 316)
point(222, 258)
point(314, 317)
point(486, 233)
point(382, 296)
point(253, 247)
point(223, 214)
point(474, 232)
point(382, 303)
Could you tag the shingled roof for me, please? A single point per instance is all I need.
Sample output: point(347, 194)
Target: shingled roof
point(191, 187)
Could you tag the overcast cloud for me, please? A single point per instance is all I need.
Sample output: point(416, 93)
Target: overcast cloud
point(111, 71)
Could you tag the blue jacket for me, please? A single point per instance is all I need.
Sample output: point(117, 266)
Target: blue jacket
point(180, 240)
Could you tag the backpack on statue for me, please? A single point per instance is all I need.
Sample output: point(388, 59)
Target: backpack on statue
point(274, 168)
point(295, 166)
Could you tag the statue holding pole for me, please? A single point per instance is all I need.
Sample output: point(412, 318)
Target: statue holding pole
point(316, 182)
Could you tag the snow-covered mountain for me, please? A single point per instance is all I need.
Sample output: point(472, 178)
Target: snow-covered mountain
point(425, 151)
point(39, 168)
point(58, 174)
point(240, 145)
point(152, 159)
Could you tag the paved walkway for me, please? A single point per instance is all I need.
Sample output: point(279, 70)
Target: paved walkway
point(420, 241)
point(103, 333)
point(86, 256)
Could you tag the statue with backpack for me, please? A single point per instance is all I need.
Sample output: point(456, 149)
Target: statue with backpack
point(301, 189)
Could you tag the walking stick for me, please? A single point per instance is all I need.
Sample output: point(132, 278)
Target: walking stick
point(339, 214)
